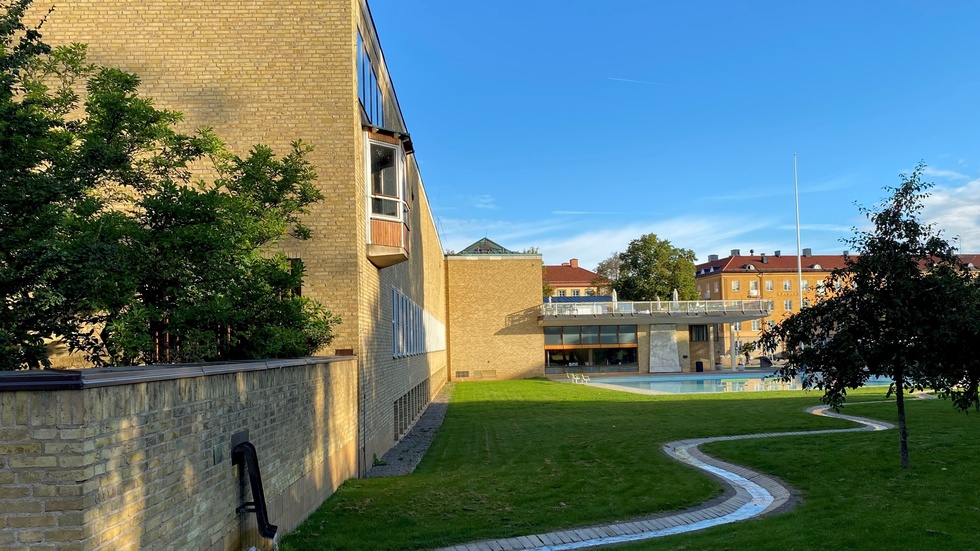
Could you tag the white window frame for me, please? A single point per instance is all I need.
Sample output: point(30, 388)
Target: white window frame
point(736, 285)
point(400, 181)
point(787, 305)
point(756, 326)
point(787, 285)
point(769, 285)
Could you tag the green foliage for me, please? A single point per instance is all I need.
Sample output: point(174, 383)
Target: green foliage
point(652, 268)
point(905, 311)
point(107, 242)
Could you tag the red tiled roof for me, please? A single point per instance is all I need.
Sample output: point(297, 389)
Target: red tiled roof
point(568, 275)
point(783, 263)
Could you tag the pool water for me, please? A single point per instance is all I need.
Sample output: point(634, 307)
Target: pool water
point(719, 382)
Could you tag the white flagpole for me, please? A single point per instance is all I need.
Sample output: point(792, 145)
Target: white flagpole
point(799, 251)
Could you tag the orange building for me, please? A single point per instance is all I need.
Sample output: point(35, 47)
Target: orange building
point(763, 276)
point(571, 280)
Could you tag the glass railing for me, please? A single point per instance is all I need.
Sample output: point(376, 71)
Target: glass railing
point(684, 307)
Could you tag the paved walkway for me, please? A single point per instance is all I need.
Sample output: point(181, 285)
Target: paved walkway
point(748, 494)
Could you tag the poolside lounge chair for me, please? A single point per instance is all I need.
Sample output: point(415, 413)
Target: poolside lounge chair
point(576, 378)
point(586, 380)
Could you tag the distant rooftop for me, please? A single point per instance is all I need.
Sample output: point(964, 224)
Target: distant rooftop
point(486, 246)
point(569, 274)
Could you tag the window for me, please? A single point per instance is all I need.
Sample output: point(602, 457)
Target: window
point(737, 326)
point(576, 292)
point(699, 289)
point(385, 179)
point(736, 285)
point(414, 331)
point(561, 292)
point(787, 285)
point(699, 333)
point(787, 305)
point(806, 303)
point(368, 90)
point(590, 292)
point(768, 285)
point(754, 286)
point(755, 325)
point(805, 285)
point(716, 286)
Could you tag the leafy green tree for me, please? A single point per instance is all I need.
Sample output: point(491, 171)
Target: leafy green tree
point(108, 242)
point(904, 312)
point(607, 272)
point(652, 268)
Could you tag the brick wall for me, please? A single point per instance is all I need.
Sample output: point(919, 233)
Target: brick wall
point(257, 72)
point(147, 465)
point(493, 304)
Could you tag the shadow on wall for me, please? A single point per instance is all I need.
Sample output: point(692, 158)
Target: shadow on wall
point(522, 322)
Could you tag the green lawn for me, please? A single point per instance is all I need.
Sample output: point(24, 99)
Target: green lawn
point(520, 457)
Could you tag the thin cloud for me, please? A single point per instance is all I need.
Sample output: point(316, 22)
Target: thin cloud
point(947, 174)
point(584, 212)
point(956, 212)
point(819, 227)
point(483, 202)
point(642, 82)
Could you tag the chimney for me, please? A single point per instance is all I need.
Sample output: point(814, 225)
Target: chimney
point(712, 257)
point(807, 252)
point(736, 252)
point(845, 253)
point(778, 253)
point(574, 263)
point(764, 259)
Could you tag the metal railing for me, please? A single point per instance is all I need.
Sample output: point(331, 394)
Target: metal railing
point(686, 307)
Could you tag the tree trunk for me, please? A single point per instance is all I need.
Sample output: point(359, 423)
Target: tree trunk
point(903, 429)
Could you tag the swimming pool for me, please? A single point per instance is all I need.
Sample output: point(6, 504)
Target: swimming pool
point(712, 382)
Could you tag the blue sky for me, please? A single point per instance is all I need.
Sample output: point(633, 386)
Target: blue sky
point(576, 126)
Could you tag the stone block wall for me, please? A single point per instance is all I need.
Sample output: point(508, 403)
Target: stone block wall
point(140, 458)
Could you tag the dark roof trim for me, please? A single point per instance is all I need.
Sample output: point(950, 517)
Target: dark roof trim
point(403, 137)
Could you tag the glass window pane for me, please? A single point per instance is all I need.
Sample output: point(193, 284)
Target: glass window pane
point(386, 207)
point(627, 334)
point(608, 334)
point(590, 334)
point(572, 335)
point(552, 335)
point(383, 171)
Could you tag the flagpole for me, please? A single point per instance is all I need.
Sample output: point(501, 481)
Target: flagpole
point(799, 250)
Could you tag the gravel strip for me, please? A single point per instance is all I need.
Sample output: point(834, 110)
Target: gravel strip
point(405, 456)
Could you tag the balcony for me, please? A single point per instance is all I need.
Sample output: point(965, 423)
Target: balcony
point(388, 244)
point(691, 311)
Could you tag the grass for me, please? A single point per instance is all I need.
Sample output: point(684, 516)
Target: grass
point(519, 457)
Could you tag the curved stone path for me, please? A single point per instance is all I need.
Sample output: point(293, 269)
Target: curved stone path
point(748, 494)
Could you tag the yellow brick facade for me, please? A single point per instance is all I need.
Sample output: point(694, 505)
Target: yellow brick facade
point(272, 73)
point(494, 302)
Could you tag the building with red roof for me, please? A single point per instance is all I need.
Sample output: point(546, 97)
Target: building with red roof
point(571, 280)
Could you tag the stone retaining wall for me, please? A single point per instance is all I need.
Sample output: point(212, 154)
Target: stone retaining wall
point(140, 458)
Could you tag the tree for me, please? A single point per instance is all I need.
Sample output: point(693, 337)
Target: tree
point(652, 268)
point(903, 312)
point(607, 272)
point(108, 242)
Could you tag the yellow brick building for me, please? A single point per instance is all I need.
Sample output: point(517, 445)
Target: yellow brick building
point(274, 72)
point(763, 277)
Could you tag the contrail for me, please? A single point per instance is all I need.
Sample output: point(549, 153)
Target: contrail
point(641, 82)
